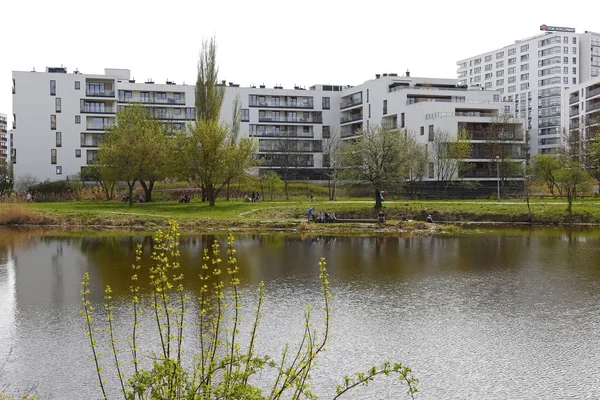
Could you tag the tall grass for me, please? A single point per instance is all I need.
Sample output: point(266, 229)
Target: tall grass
point(20, 214)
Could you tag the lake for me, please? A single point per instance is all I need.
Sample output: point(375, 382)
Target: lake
point(507, 313)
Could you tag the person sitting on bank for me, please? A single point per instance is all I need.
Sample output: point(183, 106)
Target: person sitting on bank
point(381, 217)
point(403, 218)
point(429, 219)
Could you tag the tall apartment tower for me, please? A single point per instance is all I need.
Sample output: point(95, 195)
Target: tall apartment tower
point(3, 139)
point(534, 74)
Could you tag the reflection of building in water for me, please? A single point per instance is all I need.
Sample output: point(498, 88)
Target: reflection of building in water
point(8, 301)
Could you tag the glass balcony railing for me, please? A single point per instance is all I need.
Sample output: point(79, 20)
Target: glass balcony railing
point(151, 100)
point(99, 93)
point(350, 103)
point(301, 120)
point(593, 92)
point(97, 109)
point(282, 104)
point(351, 118)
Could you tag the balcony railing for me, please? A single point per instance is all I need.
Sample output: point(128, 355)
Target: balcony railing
point(295, 149)
point(99, 93)
point(461, 114)
point(350, 103)
point(592, 93)
point(574, 112)
point(593, 106)
point(574, 99)
point(283, 134)
point(299, 120)
point(98, 127)
point(351, 118)
point(282, 104)
point(150, 100)
point(172, 117)
point(88, 109)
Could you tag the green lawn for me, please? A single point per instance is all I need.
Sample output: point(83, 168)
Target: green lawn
point(542, 209)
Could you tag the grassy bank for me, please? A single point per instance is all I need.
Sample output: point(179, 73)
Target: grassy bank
point(287, 215)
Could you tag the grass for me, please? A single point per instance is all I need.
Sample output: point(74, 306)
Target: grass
point(236, 211)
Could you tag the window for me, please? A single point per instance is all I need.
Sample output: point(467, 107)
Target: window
point(574, 70)
point(511, 89)
point(499, 55)
point(524, 77)
point(422, 131)
point(488, 85)
point(565, 60)
point(477, 70)
point(574, 60)
point(496, 97)
point(525, 67)
point(488, 58)
point(58, 170)
point(77, 85)
point(512, 70)
point(144, 97)
point(369, 111)
point(327, 103)
point(524, 57)
point(384, 107)
point(489, 67)
point(367, 98)
point(58, 139)
point(499, 82)
point(489, 75)
point(52, 88)
point(245, 114)
point(159, 96)
point(430, 133)
point(566, 80)
point(565, 70)
point(525, 86)
point(57, 103)
point(78, 119)
point(566, 40)
point(52, 156)
point(14, 121)
point(512, 51)
point(402, 121)
point(306, 129)
point(326, 132)
point(177, 111)
point(512, 61)
point(77, 153)
point(565, 50)
point(574, 50)
point(574, 40)
point(574, 81)
point(477, 79)
point(500, 73)
point(176, 96)
point(512, 79)
point(431, 171)
point(52, 121)
point(524, 48)
point(500, 64)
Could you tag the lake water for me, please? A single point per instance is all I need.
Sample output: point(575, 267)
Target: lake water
point(503, 314)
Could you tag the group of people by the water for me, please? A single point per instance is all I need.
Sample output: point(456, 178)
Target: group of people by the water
point(321, 216)
point(185, 198)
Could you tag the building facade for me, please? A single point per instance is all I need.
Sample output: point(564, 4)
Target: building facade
point(4, 149)
point(582, 106)
point(59, 117)
point(533, 74)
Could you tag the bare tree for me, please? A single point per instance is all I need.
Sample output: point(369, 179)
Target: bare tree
point(287, 161)
point(446, 153)
point(332, 162)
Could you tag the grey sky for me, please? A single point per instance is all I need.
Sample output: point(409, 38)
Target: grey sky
point(272, 42)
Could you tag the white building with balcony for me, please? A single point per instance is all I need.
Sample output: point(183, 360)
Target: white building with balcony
point(533, 74)
point(4, 140)
point(582, 106)
point(59, 117)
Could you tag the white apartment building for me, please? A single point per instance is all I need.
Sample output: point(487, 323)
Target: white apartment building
point(3, 139)
point(582, 105)
point(59, 117)
point(533, 74)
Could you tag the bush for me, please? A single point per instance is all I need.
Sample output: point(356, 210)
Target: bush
point(220, 367)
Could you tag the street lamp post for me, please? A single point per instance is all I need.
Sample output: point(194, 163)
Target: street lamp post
point(498, 176)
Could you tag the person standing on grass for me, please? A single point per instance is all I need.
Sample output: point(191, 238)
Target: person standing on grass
point(29, 198)
point(258, 197)
point(308, 214)
point(253, 196)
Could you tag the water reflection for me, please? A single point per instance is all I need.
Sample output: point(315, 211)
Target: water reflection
point(499, 314)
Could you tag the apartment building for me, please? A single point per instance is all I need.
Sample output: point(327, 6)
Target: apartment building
point(4, 150)
point(533, 74)
point(59, 117)
point(425, 106)
point(582, 105)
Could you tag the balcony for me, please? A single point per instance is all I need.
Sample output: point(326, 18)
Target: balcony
point(283, 134)
point(592, 93)
point(282, 104)
point(574, 112)
point(296, 120)
point(151, 100)
point(94, 108)
point(574, 98)
point(98, 127)
point(477, 114)
point(296, 147)
point(351, 118)
point(100, 93)
point(350, 103)
point(593, 106)
point(350, 130)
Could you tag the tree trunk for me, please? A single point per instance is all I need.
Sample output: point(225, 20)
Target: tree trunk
point(377, 198)
point(131, 185)
point(112, 190)
point(203, 188)
point(147, 190)
point(333, 190)
point(227, 190)
point(210, 194)
point(287, 195)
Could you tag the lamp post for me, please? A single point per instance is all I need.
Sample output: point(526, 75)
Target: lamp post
point(498, 176)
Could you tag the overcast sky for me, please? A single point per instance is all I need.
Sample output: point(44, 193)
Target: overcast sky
point(272, 42)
